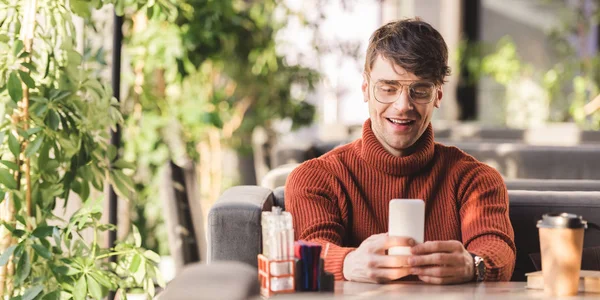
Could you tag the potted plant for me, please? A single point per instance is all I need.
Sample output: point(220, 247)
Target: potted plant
point(54, 116)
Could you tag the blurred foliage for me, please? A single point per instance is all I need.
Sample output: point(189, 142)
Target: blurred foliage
point(202, 68)
point(62, 137)
point(569, 85)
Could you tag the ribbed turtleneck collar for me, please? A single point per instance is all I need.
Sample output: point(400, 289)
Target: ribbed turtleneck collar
point(374, 154)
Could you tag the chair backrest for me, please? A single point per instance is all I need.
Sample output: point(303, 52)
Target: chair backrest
point(581, 185)
point(537, 162)
point(526, 208)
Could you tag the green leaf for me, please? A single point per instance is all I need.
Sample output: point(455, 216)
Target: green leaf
point(135, 263)
point(66, 270)
point(47, 68)
point(102, 279)
point(23, 133)
point(6, 255)
point(122, 164)
point(11, 165)
point(23, 268)
point(125, 180)
point(85, 190)
point(15, 90)
point(24, 54)
point(55, 295)
point(32, 131)
point(151, 255)
point(50, 165)
point(42, 251)
point(18, 47)
point(137, 237)
point(21, 219)
point(29, 66)
point(159, 279)
point(43, 231)
point(7, 179)
point(94, 288)
point(31, 293)
point(52, 119)
point(140, 273)
point(120, 188)
point(13, 145)
point(27, 79)
point(39, 110)
point(56, 236)
point(34, 146)
point(61, 95)
point(112, 152)
point(80, 290)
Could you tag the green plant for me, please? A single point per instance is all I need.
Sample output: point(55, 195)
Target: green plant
point(205, 75)
point(568, 85)
point(54, 116)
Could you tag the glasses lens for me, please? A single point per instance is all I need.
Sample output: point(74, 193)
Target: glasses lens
point(421, 92)
point(387, 92)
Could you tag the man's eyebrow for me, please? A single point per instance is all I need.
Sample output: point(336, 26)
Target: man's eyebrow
point(389, 81)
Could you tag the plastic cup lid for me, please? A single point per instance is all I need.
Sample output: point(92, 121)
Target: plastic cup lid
point(562, 220)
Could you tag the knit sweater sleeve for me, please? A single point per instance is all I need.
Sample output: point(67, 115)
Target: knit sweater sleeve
point(311, 196)
point(486, 228)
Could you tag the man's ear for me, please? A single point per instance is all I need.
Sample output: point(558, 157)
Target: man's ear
point(438, 99)
point(365, 88)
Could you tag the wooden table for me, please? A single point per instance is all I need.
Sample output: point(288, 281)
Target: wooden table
point(419, 290)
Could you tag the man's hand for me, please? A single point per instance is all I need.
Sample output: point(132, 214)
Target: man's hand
point(369, 262)
point(442, 262)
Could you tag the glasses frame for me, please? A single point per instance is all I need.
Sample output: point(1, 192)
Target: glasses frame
point(402, 85)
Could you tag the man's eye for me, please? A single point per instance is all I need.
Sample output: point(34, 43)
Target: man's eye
point(389, 90)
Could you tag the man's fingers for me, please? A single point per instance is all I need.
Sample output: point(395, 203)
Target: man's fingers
point(382, 275)
point(436, 271)
point(439, 280)
point(382, 243)
point(436, 259)
point(437, 246)
point(388, 261)
point(394, 241)
point(431, 279)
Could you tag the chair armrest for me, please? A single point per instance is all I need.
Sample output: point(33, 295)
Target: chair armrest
point(234, 224)
point(221, 280)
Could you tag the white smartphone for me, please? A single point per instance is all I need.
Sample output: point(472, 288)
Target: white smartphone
point(407, 219)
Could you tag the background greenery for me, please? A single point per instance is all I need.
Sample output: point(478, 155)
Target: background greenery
point(55, 112)
point(567, 86)
point(205, 74)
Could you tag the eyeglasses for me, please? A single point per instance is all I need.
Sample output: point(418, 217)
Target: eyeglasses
point(389, 91)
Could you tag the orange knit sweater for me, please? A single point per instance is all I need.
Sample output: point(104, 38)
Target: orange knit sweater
point(341, 198)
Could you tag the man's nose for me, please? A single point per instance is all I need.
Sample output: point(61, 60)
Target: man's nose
point(403, 103)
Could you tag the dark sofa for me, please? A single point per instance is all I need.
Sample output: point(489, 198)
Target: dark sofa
point(234, 230)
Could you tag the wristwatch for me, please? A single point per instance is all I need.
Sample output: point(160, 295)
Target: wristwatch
point(479, 268)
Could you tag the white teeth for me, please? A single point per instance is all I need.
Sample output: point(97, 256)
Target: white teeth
point(400, 121)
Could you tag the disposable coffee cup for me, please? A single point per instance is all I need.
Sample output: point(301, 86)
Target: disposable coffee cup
point(561, 243)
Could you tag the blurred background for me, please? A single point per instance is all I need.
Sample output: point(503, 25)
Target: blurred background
point(215, 94)
point(233, 89)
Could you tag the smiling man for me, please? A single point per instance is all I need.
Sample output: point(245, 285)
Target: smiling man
point(341, 200)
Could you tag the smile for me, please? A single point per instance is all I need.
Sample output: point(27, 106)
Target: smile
point(401, 121)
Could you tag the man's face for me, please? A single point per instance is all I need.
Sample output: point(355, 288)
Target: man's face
point(400, 124)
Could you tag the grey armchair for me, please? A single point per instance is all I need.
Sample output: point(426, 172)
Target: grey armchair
point(234, 228)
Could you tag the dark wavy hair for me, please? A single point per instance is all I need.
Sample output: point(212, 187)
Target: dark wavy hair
point(412, 44)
